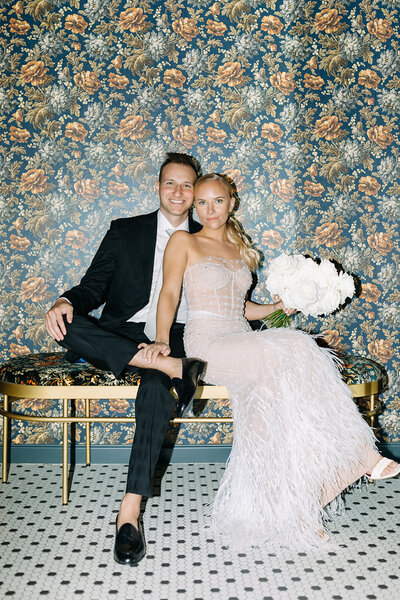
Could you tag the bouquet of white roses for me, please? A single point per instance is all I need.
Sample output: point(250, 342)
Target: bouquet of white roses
point(311, 288)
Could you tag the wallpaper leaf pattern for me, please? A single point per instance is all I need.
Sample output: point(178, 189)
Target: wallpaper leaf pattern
point(297, 101)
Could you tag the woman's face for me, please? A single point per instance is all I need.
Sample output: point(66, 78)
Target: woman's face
point(213, 203)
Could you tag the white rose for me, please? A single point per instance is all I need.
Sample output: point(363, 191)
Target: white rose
point(284, 264)
point(328, 301)
point(275, 283)
point(326, 275)
point(307, 269)
point(346, 286)
point(300, 295)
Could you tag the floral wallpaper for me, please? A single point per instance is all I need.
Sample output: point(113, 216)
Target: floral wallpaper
point(297, 101)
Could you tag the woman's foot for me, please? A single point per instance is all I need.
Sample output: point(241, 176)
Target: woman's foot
point(323, 535)
point(384, 468)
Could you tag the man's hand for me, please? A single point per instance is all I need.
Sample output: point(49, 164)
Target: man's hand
point(54, 318)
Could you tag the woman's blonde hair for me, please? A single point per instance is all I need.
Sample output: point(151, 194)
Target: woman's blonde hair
point(235, 231)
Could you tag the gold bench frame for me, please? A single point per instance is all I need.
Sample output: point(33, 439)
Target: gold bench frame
point(15, 391)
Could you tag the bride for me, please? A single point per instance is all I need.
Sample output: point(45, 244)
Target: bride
point(299, 439)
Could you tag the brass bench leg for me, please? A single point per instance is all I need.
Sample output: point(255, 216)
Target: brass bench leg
point(5, 439)
point(65, 454)
point(87, 425)
point(372, 408)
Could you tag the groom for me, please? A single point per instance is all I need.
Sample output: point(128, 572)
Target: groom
point(126, 275)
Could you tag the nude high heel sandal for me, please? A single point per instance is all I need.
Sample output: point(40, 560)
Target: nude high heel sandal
point(380, 466)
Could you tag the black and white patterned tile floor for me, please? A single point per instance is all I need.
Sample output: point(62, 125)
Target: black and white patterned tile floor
point(56, 552)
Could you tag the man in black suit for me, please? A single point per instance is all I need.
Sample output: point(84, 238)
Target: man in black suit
point(125, 276)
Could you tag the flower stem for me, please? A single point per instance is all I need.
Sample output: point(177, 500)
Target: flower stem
point(277, 319)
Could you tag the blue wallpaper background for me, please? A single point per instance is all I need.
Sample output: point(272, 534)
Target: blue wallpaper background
point(297, 101)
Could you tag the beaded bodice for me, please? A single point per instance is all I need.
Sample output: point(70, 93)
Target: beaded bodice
point(217, 286)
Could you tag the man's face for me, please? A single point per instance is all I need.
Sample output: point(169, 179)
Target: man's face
point(176, 191)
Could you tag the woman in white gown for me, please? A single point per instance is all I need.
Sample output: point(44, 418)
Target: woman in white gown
point(299, 439)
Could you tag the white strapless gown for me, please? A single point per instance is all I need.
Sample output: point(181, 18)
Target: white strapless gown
point(296, 427)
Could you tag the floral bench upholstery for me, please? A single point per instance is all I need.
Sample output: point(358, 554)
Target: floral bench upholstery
point(53, 369)
point(49, 375)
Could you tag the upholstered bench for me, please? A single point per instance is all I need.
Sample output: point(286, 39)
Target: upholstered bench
point(50, 376)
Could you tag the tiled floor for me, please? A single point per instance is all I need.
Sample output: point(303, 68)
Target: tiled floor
point(56, 552)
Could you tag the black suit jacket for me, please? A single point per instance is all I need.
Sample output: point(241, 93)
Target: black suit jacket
point(121, 271)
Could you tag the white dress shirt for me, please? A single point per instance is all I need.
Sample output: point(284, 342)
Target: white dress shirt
point(164, 232)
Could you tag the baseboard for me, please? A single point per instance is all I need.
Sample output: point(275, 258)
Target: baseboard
point(41, 454)
point(215, 453)
point(390, 450)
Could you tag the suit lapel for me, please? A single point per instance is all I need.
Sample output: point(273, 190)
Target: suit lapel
point(148, 240)
point(194, 226)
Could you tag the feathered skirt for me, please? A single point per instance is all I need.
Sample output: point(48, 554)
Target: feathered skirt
point(297, 431)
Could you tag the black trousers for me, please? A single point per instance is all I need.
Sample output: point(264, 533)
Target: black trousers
point(111, 350)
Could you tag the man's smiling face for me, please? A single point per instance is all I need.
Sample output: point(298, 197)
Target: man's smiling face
point(176, 191)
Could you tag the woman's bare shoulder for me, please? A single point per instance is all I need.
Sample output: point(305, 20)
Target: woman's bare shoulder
point(181, 234)
point(182, 237)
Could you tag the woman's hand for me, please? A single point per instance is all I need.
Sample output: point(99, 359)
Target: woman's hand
point(151, 351)
point(280, 306)
point(255, 311)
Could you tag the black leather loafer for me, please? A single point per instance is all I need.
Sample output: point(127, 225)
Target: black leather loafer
point(192, 370)
point(130, 546)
